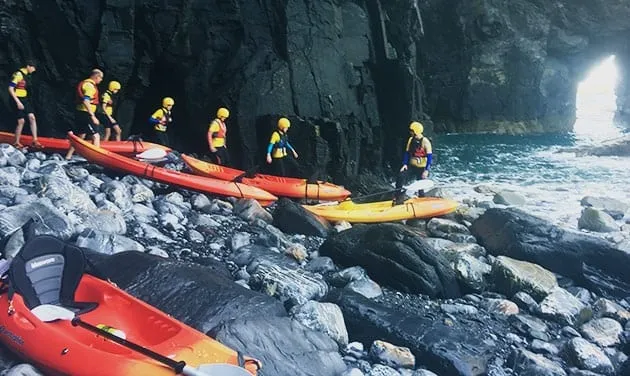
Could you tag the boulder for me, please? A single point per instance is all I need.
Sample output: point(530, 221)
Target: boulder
point(511, 276)
point(597, 220)
point(445, 346)
point(528, 363)
point(250, 210)
point(394, 255)
point(591, 262)
point(292, 218)
point(611, 206)
point(46, 217)
point(206, 298)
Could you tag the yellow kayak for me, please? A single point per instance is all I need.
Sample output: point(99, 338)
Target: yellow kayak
point(383, 211)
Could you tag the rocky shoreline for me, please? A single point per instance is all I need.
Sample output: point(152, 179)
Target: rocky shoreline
point(484, 291)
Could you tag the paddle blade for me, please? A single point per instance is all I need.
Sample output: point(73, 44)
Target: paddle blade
point(219, 369)
point(49, 312)
point(150, 154)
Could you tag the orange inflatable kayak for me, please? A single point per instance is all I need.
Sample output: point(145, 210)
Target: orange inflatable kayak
point(61, 145)
point(59, 348)
point(279, 186)
point(203, 184)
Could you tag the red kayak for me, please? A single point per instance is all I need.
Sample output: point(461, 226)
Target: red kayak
point(203, 184)
point(279, 186)
point(61, 145)
point(53, 277)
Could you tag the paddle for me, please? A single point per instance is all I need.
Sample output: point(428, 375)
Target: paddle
point(49, 313)
point(377, 194)
point(135, 139)
point(410, 189)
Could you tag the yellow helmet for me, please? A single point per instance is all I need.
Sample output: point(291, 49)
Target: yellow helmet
point(168, 101)
point(114, 85)
point(223, 113)
point(284, 123)
point(416, 128)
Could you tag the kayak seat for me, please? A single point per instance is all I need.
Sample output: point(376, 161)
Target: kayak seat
point(48, 270)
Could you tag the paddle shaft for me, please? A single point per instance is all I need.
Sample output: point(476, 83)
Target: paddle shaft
point(355, 199)
point(178, 366)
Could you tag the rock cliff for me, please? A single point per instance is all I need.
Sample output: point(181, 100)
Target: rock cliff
point(349, 74)
point(514, 66)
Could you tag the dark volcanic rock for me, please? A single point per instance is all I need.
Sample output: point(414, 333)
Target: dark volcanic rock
point(207, 299)
point(396, 256)
point(292, 218)
point(350, 75)
point(369, 186)
point(310, 61)
point(47, 219)
point(590, 261)
point(444, 345)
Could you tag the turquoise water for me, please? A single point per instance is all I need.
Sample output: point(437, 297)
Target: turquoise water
point(553, 182)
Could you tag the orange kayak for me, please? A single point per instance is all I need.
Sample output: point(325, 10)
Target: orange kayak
point(59, 348)
point(203, 184)
point(279, 186)
point(61, 145)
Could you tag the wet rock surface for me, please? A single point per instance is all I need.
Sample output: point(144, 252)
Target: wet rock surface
point(504, 294)
point(394, 256)
point(588, 260)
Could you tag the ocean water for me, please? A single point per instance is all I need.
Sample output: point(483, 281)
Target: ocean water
point(553, 182)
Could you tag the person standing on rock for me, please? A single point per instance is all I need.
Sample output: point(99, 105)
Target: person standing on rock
point(86, 121)
point(277, 151)
point(216, 138)
point(23, 108)
point(106, 110)
point(416, 161)
point(161, 119)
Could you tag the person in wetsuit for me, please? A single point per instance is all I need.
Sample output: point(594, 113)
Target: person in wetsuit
point(217, 132)
point(106, 111)
point(161, 119)
point(278, 151)
point(416, 160)
point(85, 118)
point(18, 90)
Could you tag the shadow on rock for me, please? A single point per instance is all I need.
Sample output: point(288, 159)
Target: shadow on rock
point(396, 256)
point(207, 299)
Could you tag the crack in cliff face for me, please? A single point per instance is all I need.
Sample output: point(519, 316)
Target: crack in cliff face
point(309, 49)
point(276, 13)
point(395, 32)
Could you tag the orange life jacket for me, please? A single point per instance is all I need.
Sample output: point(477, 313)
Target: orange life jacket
point(222, 130)
point(93, 100)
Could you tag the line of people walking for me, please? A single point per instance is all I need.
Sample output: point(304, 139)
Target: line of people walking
point(93, 109)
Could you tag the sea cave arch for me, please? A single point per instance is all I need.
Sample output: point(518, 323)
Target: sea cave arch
point(596, 101)
point(515, 67)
